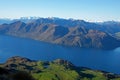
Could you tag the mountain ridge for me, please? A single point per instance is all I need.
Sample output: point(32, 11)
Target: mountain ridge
point(47, 31)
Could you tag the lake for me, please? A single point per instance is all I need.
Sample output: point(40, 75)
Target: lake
point(36, 50)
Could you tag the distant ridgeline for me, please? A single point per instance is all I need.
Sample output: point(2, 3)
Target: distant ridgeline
point(19, 68)
point(68, 32)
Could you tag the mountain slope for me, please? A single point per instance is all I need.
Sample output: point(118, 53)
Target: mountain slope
point(68, 36)
point(49, 70)
point(110, 27)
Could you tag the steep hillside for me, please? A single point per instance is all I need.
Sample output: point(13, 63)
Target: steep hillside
point(68, 36)
point(49, 70)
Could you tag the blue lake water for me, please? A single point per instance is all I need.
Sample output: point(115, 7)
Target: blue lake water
point(36, 50)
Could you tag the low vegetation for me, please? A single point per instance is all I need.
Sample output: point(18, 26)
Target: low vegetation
point(17, 68)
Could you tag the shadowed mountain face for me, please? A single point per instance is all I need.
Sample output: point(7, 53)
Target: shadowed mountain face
point(83, 34)
point(108, 26)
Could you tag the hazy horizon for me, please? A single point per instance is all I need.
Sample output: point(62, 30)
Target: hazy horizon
point(38, 17)
point(89, 10)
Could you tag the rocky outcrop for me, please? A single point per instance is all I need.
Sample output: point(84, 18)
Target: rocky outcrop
point(63, 62)
point(18, 59)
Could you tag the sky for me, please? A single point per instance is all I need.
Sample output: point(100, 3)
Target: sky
point(90, 10)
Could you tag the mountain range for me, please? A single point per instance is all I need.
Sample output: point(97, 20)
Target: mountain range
point(67, 32)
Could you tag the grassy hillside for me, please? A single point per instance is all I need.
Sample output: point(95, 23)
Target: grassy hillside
point(52, 70)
